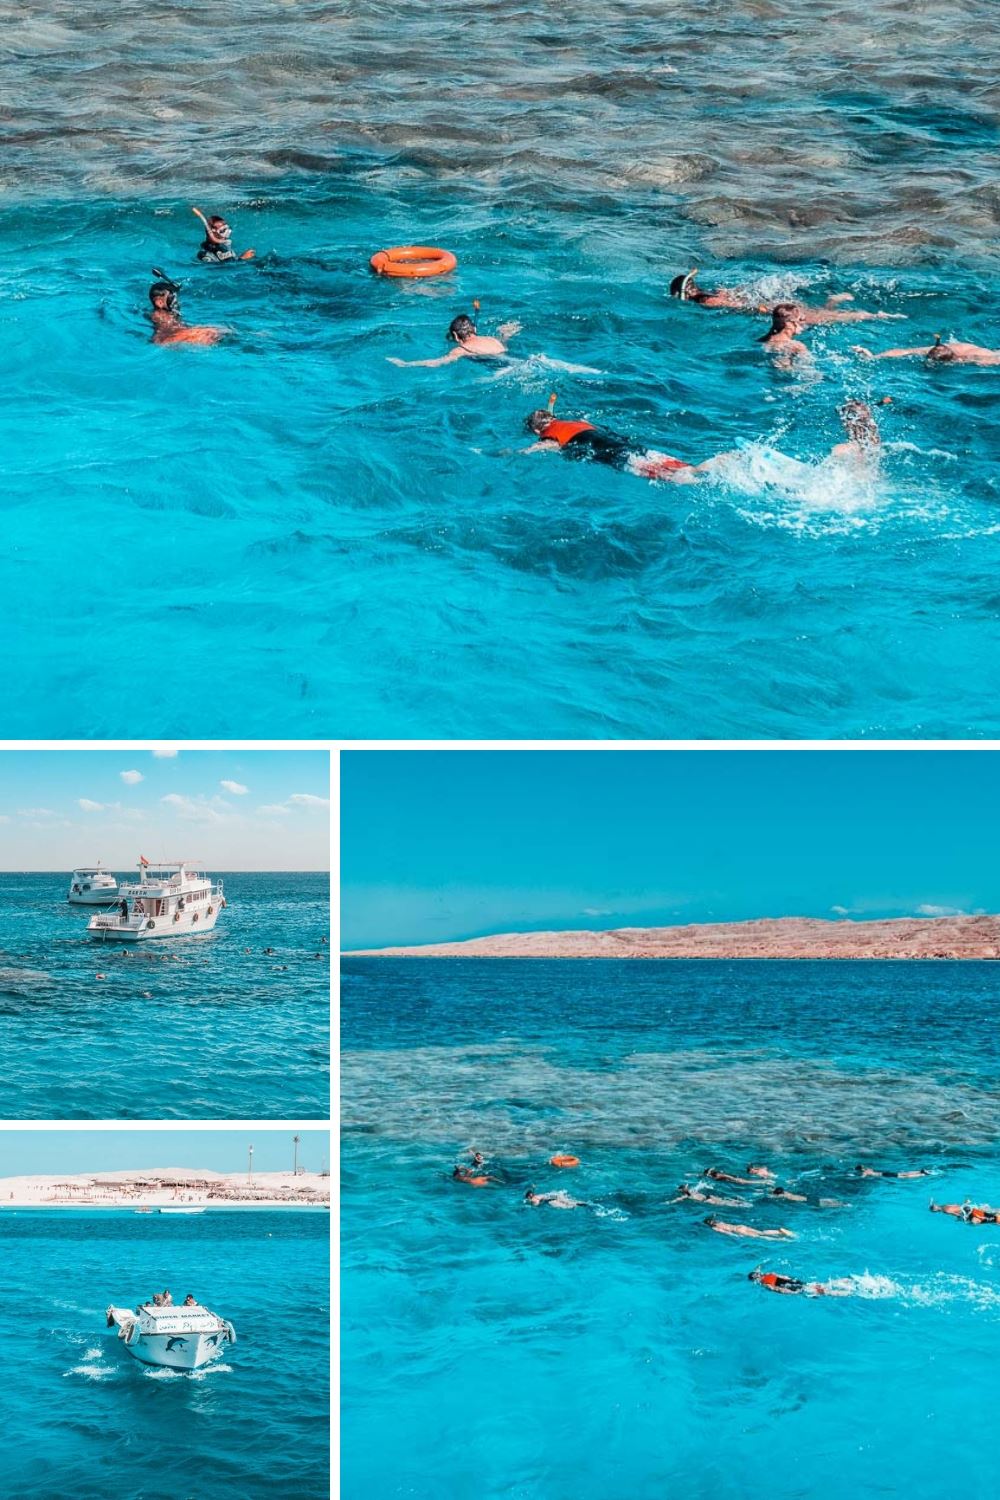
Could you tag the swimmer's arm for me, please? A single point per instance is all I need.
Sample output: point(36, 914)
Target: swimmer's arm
point(891, 353)
point(508, 330)
point(428, 364)
point(542, 447)
point(858, 316)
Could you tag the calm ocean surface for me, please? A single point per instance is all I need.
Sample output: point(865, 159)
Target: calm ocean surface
point(82, 1418)
point(287, 535)
point(618, 1350)
point(185, 1028)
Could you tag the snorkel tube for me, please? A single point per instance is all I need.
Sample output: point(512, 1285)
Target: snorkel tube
point(164, 283)
point(686, 283)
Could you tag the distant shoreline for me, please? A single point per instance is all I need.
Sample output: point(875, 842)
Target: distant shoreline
point(970, 938)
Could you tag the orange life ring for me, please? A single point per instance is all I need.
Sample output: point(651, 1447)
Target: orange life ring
point(564, 1161)
point(413, 260)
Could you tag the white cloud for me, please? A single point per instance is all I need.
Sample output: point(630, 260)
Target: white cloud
point(165, 754)
point(85, 805)
point(273, 809)
point(930, 910)
point(4, 818)
point(131, 778)
point(306, 799)
point(235, 787)
point(195, 809)
point(35, 812)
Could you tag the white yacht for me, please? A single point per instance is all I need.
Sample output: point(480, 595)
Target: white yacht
point(175, 1338)
point(92, 885)
point(167, 900)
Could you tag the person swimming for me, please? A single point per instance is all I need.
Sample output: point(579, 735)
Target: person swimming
point(747, 1231)
point(168, 327)
point(557, 1199)
point(687, 289)
point(786, 321)
point(969, 1213)
point(582, 439)
point(941, 352)
point(470, 1176)
point(787, 1194)
point(469, 343)
point(688, 1194)
point(863, 1171)
point(864, 441)
point(718, 1175)
point(791, 1286)
point(217, 246)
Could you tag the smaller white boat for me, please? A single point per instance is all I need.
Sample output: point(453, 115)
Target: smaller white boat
point(92, 885)
point(180, 1210)
point(174, 1338)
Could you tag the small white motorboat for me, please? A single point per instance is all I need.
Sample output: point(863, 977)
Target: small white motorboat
point(92, 885)
point(173, 1338)
point(180, 1210)
point(168, 900)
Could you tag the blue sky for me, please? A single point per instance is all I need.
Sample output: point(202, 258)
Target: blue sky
point(442, 845)
point(229, 809)
point(23, 1152)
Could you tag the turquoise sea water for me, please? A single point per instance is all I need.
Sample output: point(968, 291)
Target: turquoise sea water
point(197, 1027)
point(82, 1418)
point(618, 1349)
point(288, 535)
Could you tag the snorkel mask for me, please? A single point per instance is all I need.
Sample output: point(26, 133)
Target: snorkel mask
point(164, 286)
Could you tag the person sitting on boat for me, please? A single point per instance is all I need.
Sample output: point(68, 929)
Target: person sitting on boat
point(168, 1301)
point(157, 1299)
point(580, 439)
point(168, 328)
point(747, 1231)
point(217, 246)
point(863, 1171)
point(941, 352)
point(469, 343)
point(189, 1300)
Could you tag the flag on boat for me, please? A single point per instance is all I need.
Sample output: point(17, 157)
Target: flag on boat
point(144, 861)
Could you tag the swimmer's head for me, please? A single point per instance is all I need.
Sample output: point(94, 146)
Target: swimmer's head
point(786, 317)
point(461, 328)
point(163, 296)
point(684, 287)
point(538, 421)
point(220, 229)
point(940, 352)
point(859, 422)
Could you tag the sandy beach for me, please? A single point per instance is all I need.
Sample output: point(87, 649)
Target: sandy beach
point(181, 1187)
point(968, 937)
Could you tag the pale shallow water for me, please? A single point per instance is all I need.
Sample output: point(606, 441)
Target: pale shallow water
point(287, 535)
point(493, 1349)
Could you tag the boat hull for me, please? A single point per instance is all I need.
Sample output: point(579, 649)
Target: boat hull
point(93, 898)
point(158, 927)
point(178, 1351)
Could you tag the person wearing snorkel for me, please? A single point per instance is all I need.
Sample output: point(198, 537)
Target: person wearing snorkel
point(941, 352)
point(688, 290)
point(580, 439)
point(468, 341)
point(864, 441)
point(166, 316)
point(217, 246)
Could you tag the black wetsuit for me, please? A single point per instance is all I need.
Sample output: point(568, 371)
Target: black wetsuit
point(216, 250)
point(602, 447)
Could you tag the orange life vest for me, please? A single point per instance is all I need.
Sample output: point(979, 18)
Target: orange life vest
point(562, 432)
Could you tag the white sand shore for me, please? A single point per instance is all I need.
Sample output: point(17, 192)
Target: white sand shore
point(168, 1187)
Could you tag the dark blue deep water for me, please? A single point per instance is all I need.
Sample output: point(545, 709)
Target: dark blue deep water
point(494, 1349)
point(196, 1027)
point(82, 1418)
point(287, 535)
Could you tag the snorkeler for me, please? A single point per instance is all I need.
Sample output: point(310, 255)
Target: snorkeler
point(747, 1231)
point(791, 1286)
point(941, 352)
point(558, 1199)
point(718, 1175)
point(863, 1171)
point(687, 289)
point(687, 1194)
point(217, 246)
point(787, 320)
point(787, 1194)
point(863, 437)
point(166, 316)
point(469, 343)
point(969, 1213)
point(584, 440)
point(470, 1177)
